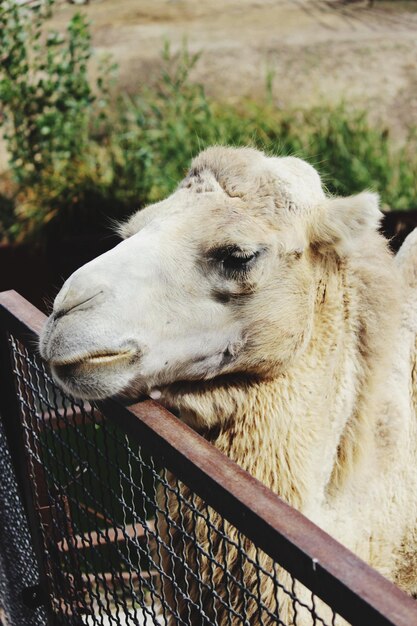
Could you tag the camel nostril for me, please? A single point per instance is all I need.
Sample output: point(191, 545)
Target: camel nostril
point(64, 310)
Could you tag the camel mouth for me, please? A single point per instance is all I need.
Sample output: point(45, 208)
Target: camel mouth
point(91, 376)
point(95, 359)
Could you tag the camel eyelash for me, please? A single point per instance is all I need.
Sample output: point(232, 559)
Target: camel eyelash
point(234, 261)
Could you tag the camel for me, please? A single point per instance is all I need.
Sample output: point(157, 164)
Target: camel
point(274, 320)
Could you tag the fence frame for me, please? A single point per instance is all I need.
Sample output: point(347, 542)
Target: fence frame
point(352, 588)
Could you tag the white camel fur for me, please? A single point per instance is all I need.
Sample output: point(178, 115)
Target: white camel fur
point(277, 323)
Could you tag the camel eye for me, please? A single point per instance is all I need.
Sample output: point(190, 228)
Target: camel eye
point(234, 261)
point(238, 262)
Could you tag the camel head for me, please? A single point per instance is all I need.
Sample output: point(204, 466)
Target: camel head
point(218, 279)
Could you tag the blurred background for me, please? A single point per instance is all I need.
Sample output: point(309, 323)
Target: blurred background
point(104, 103)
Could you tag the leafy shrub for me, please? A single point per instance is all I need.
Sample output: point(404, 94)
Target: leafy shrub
point(47, 100)
point(80, 158)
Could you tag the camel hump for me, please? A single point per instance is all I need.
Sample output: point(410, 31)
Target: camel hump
point(406, 259)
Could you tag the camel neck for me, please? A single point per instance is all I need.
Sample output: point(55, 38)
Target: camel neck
point(298, 432)
point(287, 431)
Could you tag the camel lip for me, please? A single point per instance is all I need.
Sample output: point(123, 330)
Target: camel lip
point(99, 358)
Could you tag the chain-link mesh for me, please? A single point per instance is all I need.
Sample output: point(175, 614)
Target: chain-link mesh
point(18, 570)
point(125, 541)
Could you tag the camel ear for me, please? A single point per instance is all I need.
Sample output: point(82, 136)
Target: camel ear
point(343, 223)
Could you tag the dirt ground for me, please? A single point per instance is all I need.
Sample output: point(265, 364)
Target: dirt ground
point(317, 51)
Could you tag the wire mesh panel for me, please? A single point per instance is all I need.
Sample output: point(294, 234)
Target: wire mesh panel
point(143, 523)
point(128, 543)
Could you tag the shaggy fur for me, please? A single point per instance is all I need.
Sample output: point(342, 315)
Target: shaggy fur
point(316, 397)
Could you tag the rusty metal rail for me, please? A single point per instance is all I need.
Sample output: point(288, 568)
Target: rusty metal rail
point(307, 554)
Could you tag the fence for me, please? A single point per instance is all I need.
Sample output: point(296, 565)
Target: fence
point(136, 519)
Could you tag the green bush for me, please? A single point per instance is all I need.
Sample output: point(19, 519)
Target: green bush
point(80, 159)
point(48, 105)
